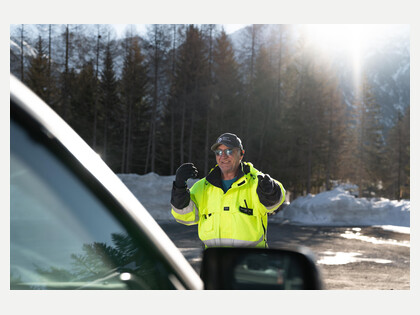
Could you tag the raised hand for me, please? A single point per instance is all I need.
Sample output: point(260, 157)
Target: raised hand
point(266, 184)
point(183, 173)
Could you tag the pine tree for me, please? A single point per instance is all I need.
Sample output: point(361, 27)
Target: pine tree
point(84, 101)
point(278, 47)
point(397, 179)
point(263, 106)
point(22, 53)
point(135, 121)
point(109, 98)
point(158, 44)
point(66, 75)
point(172, 99)
point(96, 103)
point(191, 80)
point(209, 33)
point(308, 123)
point(250, 46)
point(335, 133)
point(52, 93)
point(228, 88)
point(37, 75)
point(298, 136)
point(370, 140)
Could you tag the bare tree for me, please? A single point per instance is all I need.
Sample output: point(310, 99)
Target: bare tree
point(158, 48)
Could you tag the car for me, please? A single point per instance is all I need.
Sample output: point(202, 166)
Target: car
point(75, 225)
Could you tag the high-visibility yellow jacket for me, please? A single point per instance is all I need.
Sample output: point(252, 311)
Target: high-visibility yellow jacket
point(237, 218)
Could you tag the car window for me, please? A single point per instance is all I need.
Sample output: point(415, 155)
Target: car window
point(62, 236)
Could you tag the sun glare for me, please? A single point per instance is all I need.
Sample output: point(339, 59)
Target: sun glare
point(337, 34)
point(351, 41)
point(347, 38)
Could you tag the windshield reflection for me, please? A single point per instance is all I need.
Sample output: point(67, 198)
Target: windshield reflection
point(100, 266)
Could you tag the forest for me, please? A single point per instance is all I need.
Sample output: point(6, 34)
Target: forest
point(150, 102)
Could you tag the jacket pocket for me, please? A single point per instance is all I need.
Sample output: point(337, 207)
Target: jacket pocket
point(247, 224)
point(206, 223)
point(247, 211)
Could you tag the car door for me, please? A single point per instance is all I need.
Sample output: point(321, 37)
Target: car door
point(66, 230)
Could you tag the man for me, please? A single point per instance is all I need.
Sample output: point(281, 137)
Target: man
point(231, 203)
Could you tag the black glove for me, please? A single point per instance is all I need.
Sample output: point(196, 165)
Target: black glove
point(185, 171)
point(266, 184)
point(268, 190)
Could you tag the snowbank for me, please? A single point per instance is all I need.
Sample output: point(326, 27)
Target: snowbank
point(153, 191)
point(333, 208)
point(338, 207)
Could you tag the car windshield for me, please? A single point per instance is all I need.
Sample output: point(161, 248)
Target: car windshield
point(62, 236)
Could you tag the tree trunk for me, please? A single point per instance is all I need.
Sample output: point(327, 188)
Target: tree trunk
point(124, 145)
point(172, 105)
point(181, 145)
point(22, 55)
point(49, 83)
point(129, 138)
point(155, 101)
point(95, 109)
point(190, 141)
point(250, 86)
point(66, 76)
point(209, 104)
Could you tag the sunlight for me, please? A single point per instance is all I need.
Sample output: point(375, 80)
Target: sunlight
point(333, 35)
point(342, 258)
point(346, 37)
point(351, 41)
point(358, 236)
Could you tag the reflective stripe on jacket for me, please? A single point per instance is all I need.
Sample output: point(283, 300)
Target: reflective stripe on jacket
point(236, 218)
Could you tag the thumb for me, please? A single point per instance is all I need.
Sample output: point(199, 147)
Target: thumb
point(265, 177)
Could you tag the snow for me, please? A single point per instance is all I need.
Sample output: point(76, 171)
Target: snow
point(28, 49)
point(337, 207)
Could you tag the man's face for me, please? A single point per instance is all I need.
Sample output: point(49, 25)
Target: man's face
point(229, 163)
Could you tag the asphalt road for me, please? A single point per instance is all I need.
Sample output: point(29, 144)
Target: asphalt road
point(350, 258)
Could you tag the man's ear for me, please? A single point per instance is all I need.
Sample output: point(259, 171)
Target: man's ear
point(242, 152)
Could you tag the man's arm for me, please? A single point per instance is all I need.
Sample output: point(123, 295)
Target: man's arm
point(184, 209)
point(180, 197)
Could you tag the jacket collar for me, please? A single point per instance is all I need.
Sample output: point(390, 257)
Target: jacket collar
point(215, 175)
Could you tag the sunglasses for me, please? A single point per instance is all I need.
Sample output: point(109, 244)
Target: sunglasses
point(219, 152)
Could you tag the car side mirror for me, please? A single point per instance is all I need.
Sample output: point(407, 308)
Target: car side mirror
point(259, 269)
